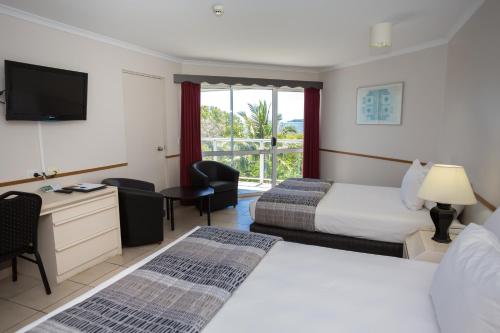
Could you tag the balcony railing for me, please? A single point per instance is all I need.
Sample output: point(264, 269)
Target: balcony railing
point(218, 148)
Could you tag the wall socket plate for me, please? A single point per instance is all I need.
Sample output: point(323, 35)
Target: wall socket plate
point(52, 171)
point(30, 173)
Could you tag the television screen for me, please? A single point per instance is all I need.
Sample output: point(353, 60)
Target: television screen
point(43, 93)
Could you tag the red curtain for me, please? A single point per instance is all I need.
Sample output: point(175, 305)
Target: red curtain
point(310, 164)
point(190, 129)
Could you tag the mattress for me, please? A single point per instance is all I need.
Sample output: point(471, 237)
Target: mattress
point(370, 212)
point(303, 288)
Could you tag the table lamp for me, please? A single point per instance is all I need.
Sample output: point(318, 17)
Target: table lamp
point(446, 185)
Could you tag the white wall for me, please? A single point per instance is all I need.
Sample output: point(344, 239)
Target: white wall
point(471, 131)
point(423, 74)
point(451, 112)
point(361, 170)
point(100, 140)
point(74, 145)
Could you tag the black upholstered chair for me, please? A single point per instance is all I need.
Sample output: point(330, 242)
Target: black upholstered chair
point(19, 215)
point(222, 178)
point(141, 211)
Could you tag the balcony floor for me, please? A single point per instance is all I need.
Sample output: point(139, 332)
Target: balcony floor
point(248, 189)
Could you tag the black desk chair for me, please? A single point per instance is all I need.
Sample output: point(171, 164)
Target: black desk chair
point(141, 211)
point(19, 214)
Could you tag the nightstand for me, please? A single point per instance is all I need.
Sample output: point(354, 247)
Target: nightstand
point(420, 246)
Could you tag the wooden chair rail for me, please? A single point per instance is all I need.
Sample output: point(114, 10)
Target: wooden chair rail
point(63, 174)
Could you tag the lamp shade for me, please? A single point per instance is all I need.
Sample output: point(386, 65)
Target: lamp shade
point(447, 184)
point(381, 35)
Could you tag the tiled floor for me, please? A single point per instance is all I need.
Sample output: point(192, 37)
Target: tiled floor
point(24, 301)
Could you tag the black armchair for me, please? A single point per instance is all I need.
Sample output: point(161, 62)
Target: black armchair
point(141, 211)
point(222, 178)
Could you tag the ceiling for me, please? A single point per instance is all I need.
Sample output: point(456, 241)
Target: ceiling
point(306, 33)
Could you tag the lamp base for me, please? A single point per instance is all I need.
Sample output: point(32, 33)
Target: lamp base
point(442, 216)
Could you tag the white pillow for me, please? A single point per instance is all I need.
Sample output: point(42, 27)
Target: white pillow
point(431, 204)
point(493, 223)
point(412, 181)
point(466, 286)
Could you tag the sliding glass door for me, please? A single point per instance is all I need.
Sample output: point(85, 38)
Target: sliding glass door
point(290, 135)
point(256, 130)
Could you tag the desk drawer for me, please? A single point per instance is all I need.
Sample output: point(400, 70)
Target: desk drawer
point(78, 230)
point(79, 254)
point(86, 208)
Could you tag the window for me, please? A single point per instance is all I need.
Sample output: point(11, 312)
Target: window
point(239, 124)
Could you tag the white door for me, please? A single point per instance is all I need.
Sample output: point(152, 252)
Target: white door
point(144, 103)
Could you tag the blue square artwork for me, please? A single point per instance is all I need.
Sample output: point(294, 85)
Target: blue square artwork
point(380, 104)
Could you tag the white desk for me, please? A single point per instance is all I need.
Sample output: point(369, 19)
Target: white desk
point(76, 231)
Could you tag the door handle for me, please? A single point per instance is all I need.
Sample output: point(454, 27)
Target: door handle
point(273, 141)
point(160, 148)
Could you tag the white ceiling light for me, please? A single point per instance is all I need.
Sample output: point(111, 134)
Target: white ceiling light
point(218, 10)
point(381, 35)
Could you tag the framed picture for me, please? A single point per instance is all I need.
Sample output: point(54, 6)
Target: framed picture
point(380, 105)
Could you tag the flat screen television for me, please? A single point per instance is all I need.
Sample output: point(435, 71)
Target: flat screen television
point(43, 93)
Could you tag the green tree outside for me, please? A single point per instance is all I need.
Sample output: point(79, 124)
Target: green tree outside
point(256, 124)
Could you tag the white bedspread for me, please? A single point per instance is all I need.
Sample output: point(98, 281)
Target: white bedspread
point(303, 288)
point(300, 288)
point(370, 212)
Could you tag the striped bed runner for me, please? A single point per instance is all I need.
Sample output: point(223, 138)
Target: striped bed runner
point(292, 204)
point(180, 290)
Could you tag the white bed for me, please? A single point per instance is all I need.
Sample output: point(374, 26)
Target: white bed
point(302, 288)
point(370, 212)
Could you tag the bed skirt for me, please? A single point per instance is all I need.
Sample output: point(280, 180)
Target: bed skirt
point(332, 241)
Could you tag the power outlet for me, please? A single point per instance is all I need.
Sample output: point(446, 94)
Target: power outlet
point(52, 171)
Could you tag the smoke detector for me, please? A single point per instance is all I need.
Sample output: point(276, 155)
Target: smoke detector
point(218, 10)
